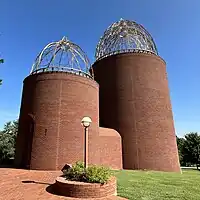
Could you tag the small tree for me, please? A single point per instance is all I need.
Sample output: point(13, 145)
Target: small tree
point(180, 145)
point(8, 141)
point(191, 148)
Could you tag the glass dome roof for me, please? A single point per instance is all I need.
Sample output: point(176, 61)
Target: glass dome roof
point(63, 56)
point(125, 36)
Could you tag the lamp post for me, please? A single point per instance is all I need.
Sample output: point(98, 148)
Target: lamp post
point(86, 121)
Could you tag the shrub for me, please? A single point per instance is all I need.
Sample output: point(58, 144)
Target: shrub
point(93, 174)
point(75, 173)
point(97, 174)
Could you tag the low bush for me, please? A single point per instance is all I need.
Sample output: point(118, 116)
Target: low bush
point(75, 173)
point(93, 174)
point(98, 174)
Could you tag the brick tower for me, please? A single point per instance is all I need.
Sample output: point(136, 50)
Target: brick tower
point(56, 95)
point(134, 97)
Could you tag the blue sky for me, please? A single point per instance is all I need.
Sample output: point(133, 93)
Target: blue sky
point(27, 26)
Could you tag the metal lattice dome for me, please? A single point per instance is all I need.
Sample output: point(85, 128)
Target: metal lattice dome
point(125, 36)
point(62, 56)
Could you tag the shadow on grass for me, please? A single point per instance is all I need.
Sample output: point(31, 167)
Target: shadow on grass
point(190, 169)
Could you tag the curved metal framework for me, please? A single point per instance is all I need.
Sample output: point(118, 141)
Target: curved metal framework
point(62, 56)
point(123, 36)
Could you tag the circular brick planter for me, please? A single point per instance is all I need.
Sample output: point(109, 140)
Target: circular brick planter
point(85, 190)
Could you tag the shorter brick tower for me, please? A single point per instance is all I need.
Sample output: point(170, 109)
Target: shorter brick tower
point(56, 95)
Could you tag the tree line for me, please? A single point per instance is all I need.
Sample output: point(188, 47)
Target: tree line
point(189, 149)
point(8, 138)
point(188, 146)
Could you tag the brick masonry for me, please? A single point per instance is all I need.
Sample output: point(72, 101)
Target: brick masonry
point(85, 190)
point(134, 100)
point(18, 184)
point(50, 130)
point(111, 148)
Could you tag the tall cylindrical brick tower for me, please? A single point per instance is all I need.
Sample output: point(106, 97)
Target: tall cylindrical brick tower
point(57, 94)
point(134, 97)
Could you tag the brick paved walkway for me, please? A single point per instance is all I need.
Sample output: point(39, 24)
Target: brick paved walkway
point(17, 184)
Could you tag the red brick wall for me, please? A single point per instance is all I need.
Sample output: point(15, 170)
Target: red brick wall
point(110, 148)
point(134, 100)
point(58, 101)
point(85, 190)
point(24, 137)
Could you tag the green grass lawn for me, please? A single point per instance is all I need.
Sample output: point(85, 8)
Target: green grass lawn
point(141, 185)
